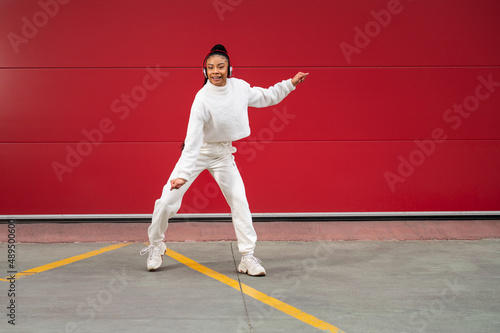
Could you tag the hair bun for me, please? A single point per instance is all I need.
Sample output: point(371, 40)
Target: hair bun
point(219, 47)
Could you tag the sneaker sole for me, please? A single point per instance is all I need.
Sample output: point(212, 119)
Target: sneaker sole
point(260, 274)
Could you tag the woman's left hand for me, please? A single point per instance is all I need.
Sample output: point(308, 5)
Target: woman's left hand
point(298, 78)
point(176, 184)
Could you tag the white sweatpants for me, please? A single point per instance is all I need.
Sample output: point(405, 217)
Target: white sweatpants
point(217, 158)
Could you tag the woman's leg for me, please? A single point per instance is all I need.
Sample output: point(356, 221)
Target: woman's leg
point(169, 203)
point(228, 177)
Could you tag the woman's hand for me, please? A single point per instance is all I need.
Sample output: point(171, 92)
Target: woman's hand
point(298, 78)
point(176, 184)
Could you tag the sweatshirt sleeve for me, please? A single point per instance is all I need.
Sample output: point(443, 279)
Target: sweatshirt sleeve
point(193, 141)
point(261, 97)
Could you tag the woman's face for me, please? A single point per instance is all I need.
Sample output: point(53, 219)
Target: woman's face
point(217, 69)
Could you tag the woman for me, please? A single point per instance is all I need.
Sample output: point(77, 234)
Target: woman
point(219, 116)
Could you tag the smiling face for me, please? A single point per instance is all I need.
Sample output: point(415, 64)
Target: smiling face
point(217, 70)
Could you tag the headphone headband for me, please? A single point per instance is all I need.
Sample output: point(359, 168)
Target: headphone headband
point(230, 73)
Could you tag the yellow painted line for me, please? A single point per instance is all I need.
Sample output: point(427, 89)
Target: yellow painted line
point(271, 301)
point(66, 261)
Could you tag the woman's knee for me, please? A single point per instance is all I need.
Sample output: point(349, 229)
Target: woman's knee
point(163, 204)
point(238, 200)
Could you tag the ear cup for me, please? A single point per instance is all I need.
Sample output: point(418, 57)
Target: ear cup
point(205, 72)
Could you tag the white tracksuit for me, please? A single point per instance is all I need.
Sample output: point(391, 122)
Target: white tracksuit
point(219, 116)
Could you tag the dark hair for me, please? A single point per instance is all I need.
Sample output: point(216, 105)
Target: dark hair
point(220, 50)
point(215, 51)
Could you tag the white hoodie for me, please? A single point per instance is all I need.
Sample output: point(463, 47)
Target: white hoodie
point(220, 114)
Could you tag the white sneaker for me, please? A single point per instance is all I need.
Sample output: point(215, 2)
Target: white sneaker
point(155, 257)
point(251, 266)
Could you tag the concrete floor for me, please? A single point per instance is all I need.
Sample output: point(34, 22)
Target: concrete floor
point(356, 286)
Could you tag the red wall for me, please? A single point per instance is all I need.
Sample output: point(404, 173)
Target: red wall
point(123, 74)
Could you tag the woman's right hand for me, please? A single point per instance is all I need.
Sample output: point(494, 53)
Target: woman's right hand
point(176, 184)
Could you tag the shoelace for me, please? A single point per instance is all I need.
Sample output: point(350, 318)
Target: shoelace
point(253, 261)
point(152, 249)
